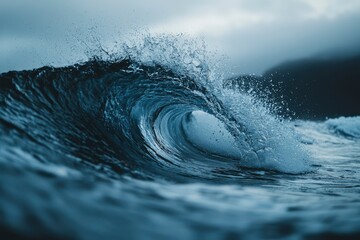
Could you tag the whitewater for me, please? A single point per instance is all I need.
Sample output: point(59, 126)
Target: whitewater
point(147, 143)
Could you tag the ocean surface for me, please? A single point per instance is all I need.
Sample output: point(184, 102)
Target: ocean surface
point(129, 148)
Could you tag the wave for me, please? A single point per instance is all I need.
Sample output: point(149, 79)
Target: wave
point(347, 126)
point(153, 118)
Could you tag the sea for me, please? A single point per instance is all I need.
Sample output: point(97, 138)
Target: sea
point(149, 144)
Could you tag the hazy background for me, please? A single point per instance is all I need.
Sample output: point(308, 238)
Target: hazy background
point(254, 35)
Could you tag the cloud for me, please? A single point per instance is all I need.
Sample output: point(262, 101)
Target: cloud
point(218, 19)
point(331, 9)
point(254, 34)
point(215, 24)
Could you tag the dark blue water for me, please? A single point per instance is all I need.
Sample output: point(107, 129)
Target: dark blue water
point(120, 149)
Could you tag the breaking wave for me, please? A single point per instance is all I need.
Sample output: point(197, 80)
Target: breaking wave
point(149, 115)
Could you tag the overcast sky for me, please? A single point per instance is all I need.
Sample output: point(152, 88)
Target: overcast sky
point(253, 34)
